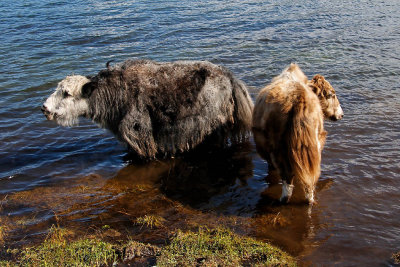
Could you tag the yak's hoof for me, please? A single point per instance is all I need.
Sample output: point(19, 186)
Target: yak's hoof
point(284, 200)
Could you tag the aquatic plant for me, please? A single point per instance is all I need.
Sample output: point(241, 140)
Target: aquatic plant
point(150, 221)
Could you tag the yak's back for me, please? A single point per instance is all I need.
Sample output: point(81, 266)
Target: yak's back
point(180, 103)
point(276, 99)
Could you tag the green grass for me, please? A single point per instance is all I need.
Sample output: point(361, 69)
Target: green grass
point(57, 251)
point(86, 252)
point(217, 247)
point(220, 247)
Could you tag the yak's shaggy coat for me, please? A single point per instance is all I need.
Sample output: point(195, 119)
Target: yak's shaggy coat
point(158, 109)
point(288, 127)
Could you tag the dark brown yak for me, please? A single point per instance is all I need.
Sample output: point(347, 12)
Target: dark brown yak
point(158, 109)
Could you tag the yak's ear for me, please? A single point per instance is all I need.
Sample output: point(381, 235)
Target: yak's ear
point(87, 89)
point(317, 83)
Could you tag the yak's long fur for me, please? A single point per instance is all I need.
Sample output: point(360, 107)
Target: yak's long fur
point(160, 109)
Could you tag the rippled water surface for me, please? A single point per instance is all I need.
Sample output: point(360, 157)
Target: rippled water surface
point(81, 176)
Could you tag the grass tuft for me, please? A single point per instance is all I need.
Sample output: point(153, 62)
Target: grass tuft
point(3, 231)
point(134, 250)
point(2, 234)
point(7, 264)
point(3, 227)
point(57, 251)
point(151, 221)
point(220, 247)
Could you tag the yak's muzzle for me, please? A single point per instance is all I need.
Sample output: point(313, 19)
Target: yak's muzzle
point(47, 113)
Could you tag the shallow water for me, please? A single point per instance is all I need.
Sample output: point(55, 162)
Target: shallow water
point(80, 176)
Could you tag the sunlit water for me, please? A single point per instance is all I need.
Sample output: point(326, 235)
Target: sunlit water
point(81, 176)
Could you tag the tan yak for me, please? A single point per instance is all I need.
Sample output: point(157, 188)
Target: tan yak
point(289, 130)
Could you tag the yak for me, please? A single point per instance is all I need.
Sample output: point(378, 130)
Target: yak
point(157, 109)
point(289, 130)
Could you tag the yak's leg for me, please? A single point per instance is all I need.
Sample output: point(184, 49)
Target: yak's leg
point(274, 176)
point(287, 191)
point(309, 193)
point(287, 183)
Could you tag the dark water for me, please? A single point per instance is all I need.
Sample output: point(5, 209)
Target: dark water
point(80, 177)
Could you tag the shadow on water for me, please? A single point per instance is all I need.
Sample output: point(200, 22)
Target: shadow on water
point(197, 181)
point(197, 189)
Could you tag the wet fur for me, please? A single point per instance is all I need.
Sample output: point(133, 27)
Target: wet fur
point(160, 109)
point(288, 127)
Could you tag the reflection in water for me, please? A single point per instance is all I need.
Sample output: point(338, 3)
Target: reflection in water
point(292, 226)
point(204, 188)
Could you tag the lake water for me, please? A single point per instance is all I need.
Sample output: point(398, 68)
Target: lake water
point(81, 178)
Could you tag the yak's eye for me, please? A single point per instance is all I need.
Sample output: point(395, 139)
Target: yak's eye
point(329, 95)
point(66, 94)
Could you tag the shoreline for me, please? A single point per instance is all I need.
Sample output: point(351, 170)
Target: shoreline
point(204, 247)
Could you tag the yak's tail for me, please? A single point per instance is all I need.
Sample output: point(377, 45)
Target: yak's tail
point(303, 147)
point(243, 110)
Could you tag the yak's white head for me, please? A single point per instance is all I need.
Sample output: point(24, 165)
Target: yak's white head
point(68, 102)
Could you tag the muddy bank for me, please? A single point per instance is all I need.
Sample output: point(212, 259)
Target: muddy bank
point(150, 202)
